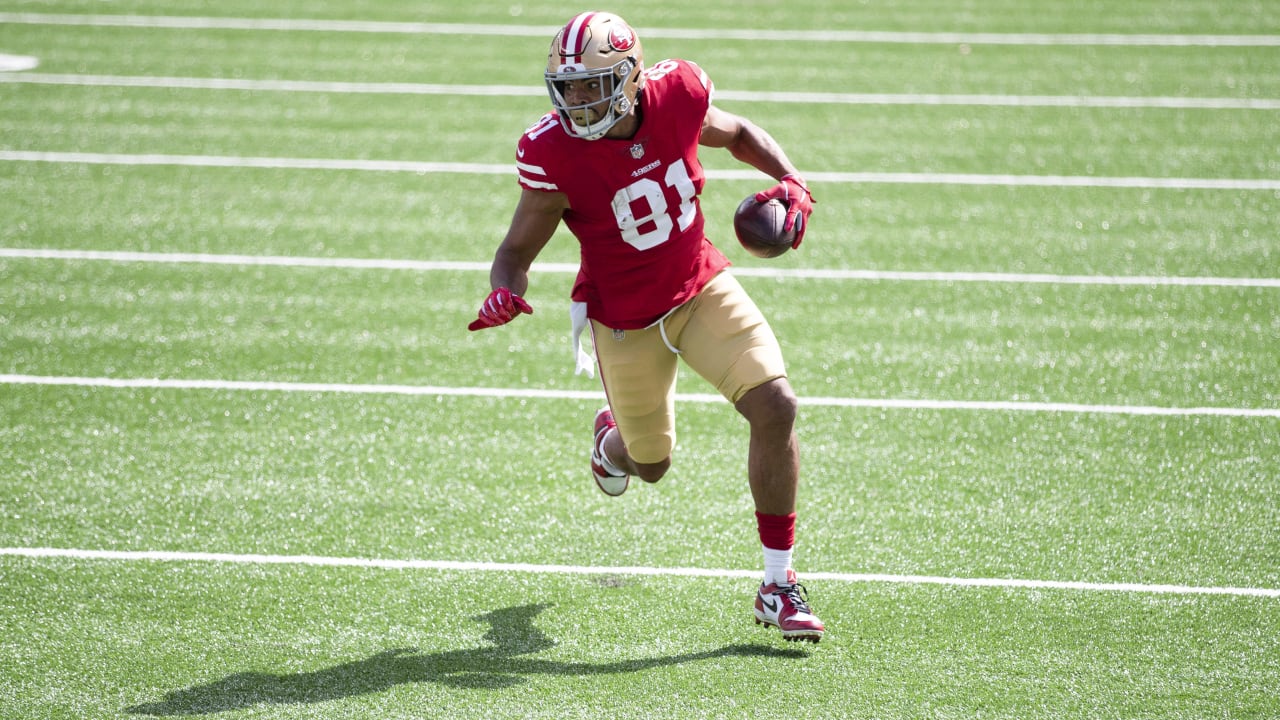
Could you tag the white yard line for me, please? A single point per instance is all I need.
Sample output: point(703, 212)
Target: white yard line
point(195, 83)
point(391, 88)
point(409, 166)
point(571, 268)
point(532, 568)
point(545, 31)
point(1069, 101)
point(596, 395)
point(270, 163)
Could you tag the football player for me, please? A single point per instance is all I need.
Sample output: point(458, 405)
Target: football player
point(617, 162)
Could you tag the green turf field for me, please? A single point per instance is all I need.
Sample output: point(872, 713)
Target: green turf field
point(252, 465)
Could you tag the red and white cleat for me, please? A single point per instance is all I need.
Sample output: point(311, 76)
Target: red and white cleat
point(786, 608)
point(608, 478)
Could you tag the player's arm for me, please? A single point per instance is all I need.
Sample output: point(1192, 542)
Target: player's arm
point(535, 220)
point(747, 142)
point(536, 217)
point(754, 146)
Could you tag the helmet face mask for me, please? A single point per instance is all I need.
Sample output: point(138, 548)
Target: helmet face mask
point(594, 73)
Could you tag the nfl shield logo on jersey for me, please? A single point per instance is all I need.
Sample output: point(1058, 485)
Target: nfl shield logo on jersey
point(637, 151)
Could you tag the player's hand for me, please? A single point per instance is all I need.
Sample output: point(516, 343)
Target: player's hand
point(501, 307)
point(793, 192)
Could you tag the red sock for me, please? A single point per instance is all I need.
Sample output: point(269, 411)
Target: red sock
point(777, 532)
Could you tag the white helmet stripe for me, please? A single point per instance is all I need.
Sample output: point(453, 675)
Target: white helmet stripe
point(573, 43)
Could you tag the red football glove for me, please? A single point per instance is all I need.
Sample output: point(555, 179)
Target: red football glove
point(501, 307)
point(793, 192)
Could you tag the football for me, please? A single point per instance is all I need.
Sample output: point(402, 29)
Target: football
point(759, 227)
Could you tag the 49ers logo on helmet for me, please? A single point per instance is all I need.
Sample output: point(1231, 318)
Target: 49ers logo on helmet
point(621, 38)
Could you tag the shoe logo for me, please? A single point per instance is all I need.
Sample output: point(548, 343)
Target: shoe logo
point(773, 606)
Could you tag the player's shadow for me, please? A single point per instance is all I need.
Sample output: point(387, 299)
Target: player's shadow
point(501, 664)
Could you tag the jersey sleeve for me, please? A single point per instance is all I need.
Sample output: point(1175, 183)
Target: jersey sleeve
point(533, 160)
point(700, 83)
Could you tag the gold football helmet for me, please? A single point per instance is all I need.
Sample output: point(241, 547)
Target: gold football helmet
point(594, 73)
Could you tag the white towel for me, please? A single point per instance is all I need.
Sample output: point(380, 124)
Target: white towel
point(582, 361)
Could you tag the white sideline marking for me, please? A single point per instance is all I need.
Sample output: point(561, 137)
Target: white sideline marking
point(539, 31)
point(1070, 101)
point(283, 163)
point(571, 268)
point(594, 395)
point(450, 565)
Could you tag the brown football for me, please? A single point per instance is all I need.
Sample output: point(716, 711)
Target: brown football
point(759, 227)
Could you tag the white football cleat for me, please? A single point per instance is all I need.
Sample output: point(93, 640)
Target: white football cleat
point(610, 482)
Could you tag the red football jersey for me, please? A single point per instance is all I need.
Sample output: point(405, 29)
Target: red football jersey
point(633, 204)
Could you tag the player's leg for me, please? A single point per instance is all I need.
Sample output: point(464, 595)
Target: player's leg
point(613, 452)
point(726, 339)
point(639, 375)
point(611, 465)
point(773, 456)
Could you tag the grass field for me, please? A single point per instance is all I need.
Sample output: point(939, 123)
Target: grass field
point(253, 466)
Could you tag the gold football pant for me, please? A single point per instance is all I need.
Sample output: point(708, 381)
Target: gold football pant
point(720, 334)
